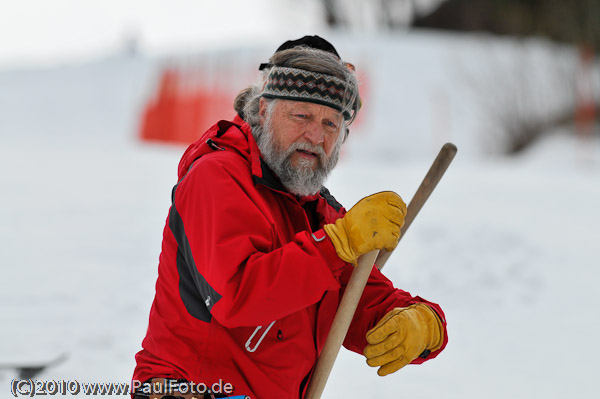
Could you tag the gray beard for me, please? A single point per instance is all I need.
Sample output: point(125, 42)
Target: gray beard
point(301, 180)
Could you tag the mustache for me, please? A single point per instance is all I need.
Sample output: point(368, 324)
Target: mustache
point(315, 149)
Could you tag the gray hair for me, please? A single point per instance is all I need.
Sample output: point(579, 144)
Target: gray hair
point(247, 101)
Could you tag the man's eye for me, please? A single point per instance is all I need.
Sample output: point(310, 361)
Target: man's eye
point(331, 124)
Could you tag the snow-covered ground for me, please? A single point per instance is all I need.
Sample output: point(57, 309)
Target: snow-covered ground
point(508, 246)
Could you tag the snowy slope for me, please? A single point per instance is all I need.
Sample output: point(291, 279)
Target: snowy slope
point(507, 246)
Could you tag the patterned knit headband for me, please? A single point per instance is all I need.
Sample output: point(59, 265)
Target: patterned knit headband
point(302, 85)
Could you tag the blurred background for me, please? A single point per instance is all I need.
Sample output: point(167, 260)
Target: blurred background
point(98, 101)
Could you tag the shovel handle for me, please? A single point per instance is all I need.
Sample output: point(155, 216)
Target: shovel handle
point(432, 178)
point(361, 273)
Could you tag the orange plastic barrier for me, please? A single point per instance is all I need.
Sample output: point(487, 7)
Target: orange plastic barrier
point(585, 98)
point(178, 114)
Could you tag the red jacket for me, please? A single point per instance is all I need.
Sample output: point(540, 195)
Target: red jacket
point(248, 281)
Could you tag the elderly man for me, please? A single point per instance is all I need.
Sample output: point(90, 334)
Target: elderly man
point(256, 253)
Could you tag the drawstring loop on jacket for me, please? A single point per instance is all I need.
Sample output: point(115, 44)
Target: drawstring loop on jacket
point(260, 339)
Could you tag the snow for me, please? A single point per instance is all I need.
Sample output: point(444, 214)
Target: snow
point(507, 245)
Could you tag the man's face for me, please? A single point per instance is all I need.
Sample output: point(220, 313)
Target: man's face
point(305, 123)
point(301, 142)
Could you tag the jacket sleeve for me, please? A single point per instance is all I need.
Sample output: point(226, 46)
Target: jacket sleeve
point(233, 245)
point(379, 297)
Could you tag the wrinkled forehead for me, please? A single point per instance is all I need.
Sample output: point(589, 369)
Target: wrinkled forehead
point(313, 109)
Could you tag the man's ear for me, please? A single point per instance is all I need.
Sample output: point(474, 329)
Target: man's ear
point(262, 111)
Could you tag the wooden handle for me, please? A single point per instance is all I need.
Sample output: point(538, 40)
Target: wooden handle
point(361, 274)
point(340, 325)
point(432, 178)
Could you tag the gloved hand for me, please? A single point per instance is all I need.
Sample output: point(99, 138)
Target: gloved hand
point(373, 223)
point(401, 336)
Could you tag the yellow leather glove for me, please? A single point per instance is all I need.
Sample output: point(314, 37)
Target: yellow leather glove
point(401, 336)
point(373, 223)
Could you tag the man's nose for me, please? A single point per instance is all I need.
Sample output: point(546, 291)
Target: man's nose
point(314, 133)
